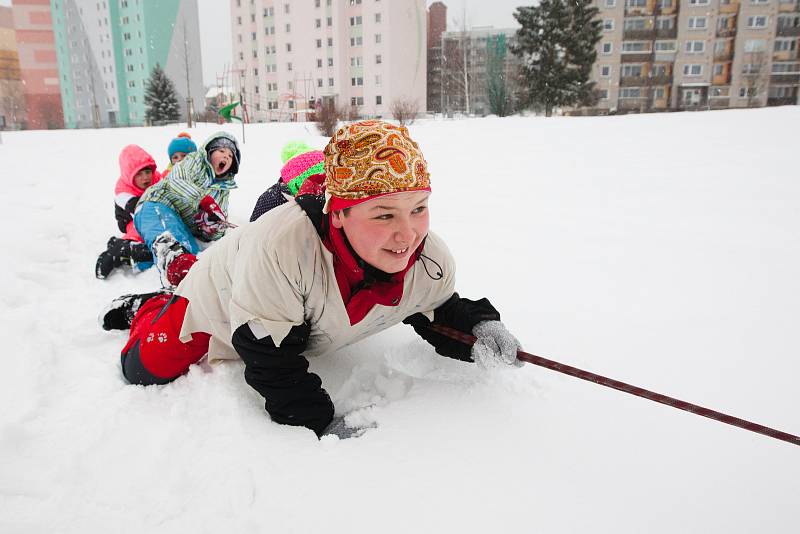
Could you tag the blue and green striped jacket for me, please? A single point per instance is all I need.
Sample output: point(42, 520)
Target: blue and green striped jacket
point(191, 180)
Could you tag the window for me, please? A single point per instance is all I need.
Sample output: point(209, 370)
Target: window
point(759, 21)
point(357, 101)
point(355, 61)
point(659, 93)
point(610, 3)
point(319, 63)
point(747, 92)
point(377, 80)
point(664, 4)
point(635, 24)
point(252, 36)
point(355, 21)
point(288, 27)
point(319, 44)
point(755, 45)
point(377, 38)
point(239, 21)
point(630, 92)
point(377, 19)
point(255, 72)
point(317, 3)
point(330, 62)
point(288, 47)
point(330, 41)
point(719, 92)
point(693, 69)
point(785, 45)
point(602, 94)
point(605, 71)
point(378, 59)
point(356, 41)
point(318, 23)
point(608, 25)
point(357, 82)
point(255, 53)
point(665, 46)
point(378, 100)
point(698, 2)
point(636, 46)
point(607, 48)
point(330, 82)
point(319, 82)
point(635, 3)
point(698, 23)
point(289, 66)
point(286, 8)
point(132, 83)
point(719, 69)
point(758, 1)
point(695, 47)
point(632, 71)
point(269, 11)
point(329, 21)
point(785, 68)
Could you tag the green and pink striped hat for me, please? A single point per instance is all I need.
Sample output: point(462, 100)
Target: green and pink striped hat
point(300, 161)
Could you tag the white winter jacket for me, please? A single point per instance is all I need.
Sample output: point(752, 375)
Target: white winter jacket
point(275, 273)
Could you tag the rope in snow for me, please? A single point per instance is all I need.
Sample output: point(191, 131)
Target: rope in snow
point(633, 390)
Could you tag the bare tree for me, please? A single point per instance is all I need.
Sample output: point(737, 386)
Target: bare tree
point(404, 110)
point(12, 102)
point(754, 77)
point(456, 68)
point(327, 118)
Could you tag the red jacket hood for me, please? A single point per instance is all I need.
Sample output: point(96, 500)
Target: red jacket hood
point(132, 159)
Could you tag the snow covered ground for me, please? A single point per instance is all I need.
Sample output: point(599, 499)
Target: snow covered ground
point(661, 250)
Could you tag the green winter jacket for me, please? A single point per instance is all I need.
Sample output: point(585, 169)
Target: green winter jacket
point(190, 181)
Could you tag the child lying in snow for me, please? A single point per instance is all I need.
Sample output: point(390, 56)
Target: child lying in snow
point(137, 172)
point(190, 203)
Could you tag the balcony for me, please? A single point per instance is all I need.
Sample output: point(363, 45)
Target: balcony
point(784, 79)
point(629, 104)
point(782, 101)
point(645, 81)
point(726, 32)
point(788, 31)
point(721, 79)
point(720, 102)
point(639, 11)
point(727, 55)
point(666, 33)
point(635, 57)
point(733, 7)
point(785, 55)
point(788, 7)
point(639, 35)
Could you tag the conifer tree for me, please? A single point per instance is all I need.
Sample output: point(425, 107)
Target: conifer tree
point(160, 98)
point(557, 45)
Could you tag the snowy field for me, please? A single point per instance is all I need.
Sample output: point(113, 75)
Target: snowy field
point(661, 250)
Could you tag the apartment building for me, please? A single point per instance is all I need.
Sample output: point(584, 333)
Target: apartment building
point(657, 55)
point(37, 63)
point(290, 56)
point(107, 50)
point(437, 25)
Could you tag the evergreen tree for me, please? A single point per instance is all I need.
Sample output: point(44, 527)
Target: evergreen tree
point(160, 98)
point(557, 45)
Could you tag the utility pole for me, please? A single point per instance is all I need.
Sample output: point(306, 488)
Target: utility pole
point(188, 85)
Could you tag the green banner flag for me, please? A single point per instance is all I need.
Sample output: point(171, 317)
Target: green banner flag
point(226, 111)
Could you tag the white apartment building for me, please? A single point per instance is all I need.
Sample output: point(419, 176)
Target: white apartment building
point(291, 55)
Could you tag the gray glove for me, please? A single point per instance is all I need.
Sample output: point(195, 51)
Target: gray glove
point(342, 430)
point(495, 345)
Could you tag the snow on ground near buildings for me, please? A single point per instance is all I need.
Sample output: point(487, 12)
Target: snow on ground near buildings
point(661, 250)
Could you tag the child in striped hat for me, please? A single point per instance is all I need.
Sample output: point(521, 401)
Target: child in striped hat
point(299, 162)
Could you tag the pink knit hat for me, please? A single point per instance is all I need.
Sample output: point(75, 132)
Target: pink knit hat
point(300, 167)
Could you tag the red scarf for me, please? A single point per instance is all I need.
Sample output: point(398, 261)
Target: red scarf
point(359, 296)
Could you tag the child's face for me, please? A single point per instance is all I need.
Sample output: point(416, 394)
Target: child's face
point(221, 160)
point(143, 178)
point(177, 157)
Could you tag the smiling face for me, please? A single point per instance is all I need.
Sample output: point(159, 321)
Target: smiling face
point(386, 231)
point(143, 178)
point(221, 160)
point(177, 157)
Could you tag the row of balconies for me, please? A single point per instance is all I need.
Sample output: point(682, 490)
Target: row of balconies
point(652, 33)
point(784, 79)
point(788, 31)
point(645, 81)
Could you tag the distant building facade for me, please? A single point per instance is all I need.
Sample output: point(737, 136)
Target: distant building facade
point(12, 95)
point(437, 25)
point(471, 61)
point(38, 64)
point(658, 55)
point(107, 50)
point(289, 57)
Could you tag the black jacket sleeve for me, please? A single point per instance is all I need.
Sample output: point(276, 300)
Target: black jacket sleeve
point(459, 313)
point(269, 199)
point(292, 395)
point(124, 216)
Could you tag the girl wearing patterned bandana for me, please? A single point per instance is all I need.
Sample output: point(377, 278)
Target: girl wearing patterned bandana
point(350, 256)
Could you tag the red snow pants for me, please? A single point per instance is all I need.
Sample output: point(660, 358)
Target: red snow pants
point(154, 354)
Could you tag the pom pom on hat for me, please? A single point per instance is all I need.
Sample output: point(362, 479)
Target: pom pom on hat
point(182, 143)
point(372, 158)
point(300, 167)
point(292, 149)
